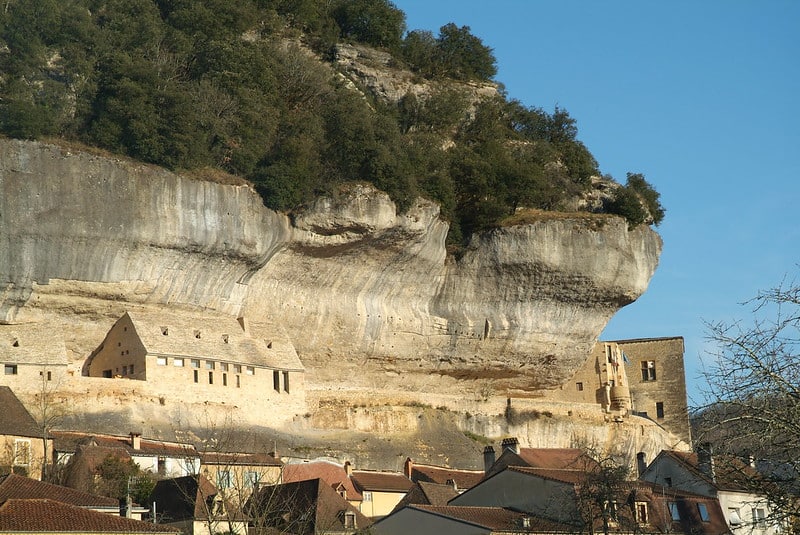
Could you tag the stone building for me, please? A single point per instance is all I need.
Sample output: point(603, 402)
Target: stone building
point(34, 357)
point(640, 377)
point(199, 359)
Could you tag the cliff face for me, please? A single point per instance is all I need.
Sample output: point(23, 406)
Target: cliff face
point(369, 297)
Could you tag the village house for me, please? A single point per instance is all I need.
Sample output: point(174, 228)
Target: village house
point(725, 478)
point(309, 507)
point(380, 491)
point(194, 505)
point(237, 475)
point(201, 359)
point(336, 476)
point(458, 479)
point(82, 451)
point(20, 487)
point(34, 357)
point(23, 448)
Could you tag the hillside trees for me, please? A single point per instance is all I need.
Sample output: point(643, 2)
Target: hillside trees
point(753, 396)
point(193, 85)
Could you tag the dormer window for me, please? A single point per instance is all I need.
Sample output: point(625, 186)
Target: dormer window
point(349, 520)
point(641, 512)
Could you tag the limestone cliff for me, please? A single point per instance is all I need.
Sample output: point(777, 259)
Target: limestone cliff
point(368, 296)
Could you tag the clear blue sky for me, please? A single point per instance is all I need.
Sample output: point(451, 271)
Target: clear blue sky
point(703, 97)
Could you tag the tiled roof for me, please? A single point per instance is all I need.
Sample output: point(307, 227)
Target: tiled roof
point(204, 337)
point(331, 473)
point(496, 518)
point(424, 493)
point(48, 516)
point(15, 420)
point(554, 474)
point(552, 458)
point(15, 486)
point(380, 481)
point(32, 343)
point(730, 473)
point(238, 459)
point(464, 479)
point(68, 441)
point(299, 497)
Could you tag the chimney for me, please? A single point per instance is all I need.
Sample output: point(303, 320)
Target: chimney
point(488, 458)
point(244, 324)
point(348, 468)
point(511, 444)
point(408, 467)
point(452, 483)
point(641, 464)
point(705, 460)
point(136, 441)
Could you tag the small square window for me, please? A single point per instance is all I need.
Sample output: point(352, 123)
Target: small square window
point(579, 387)
point(209, 364)
point(161, 361)
point(11, 369)
point(223, 366)
point(177, 362)
point(237, 368)
point(648, 370)
point(250, 370)
point(195, 363)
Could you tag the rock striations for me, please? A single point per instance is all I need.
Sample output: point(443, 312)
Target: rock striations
point(378, 311)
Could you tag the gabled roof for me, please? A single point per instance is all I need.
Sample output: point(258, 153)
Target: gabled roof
point(32, 343)
point(238, 459)
point(463, 479)
point(13, 486)
point(380, 481)
point(730, 473)
point(497, 518)
point(68, 441)
point(41, 515)
point(570, 476)
point(288, 505)
point(217, 337)
point(424, 493)
point(552, 458)
point(331, 473)
point(186, 498)
point(15, 420)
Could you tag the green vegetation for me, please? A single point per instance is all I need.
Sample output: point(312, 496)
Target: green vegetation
point(222, 89)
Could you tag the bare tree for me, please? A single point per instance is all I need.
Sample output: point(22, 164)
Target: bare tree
point(49, 412)
point(752, 401)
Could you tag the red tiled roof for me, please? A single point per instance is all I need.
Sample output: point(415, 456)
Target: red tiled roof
point(48, 515)
point(381, 481)
point(70, 440)
point(554, 474)
point(560, 458)
point(331, 473)
point(438, 474)
point(15, 486)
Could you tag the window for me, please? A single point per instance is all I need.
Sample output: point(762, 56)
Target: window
point(22, 452)
point(237, 368)
point(366, 496)
point(108, 374)
point(211, 378)
point(733, 517)
point(162, 466)
point(759, 517)
point(165, 331)
point(660, 410)
point(224, 480)
point(251, 479)
point(641, 512)
point(209, 364)
point(668, 481)
point(130, 369)
point(238, 381)
point(612, 511)
point(673, 511)
point(11, 369)
point(223, 366)
point(195, 363)
point(648, 370)
point(579, 387)
point(286, 382)
point(703, 510)
point(161, 361)
point(196, 376)
point(178, 363)
point(250, 370)
point(49, 375)
point(276, 380)
point(349, 520)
